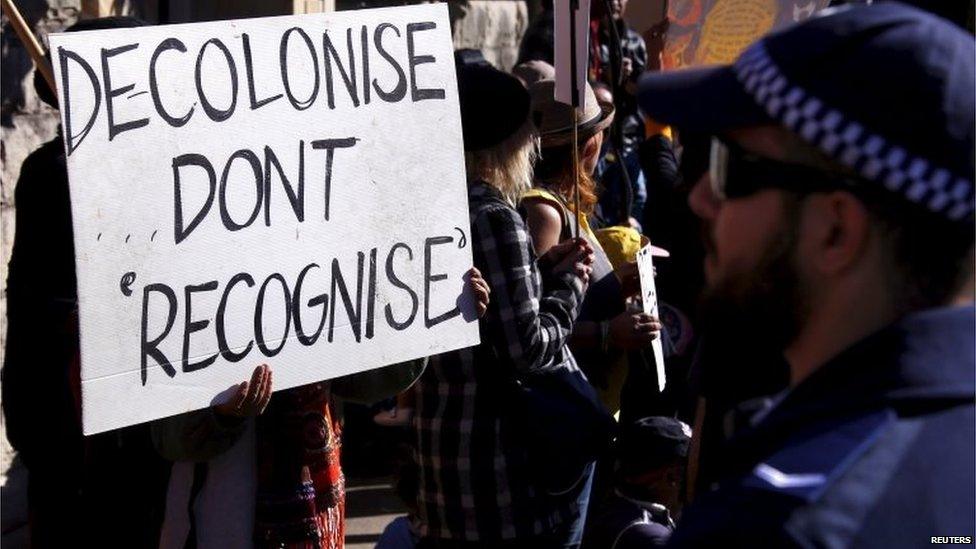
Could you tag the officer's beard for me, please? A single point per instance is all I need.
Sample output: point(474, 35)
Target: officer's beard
point(748, 319)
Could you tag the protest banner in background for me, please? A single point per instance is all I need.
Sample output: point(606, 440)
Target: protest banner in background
point(705, 32)
point(287, 190)
point(645, 268)
point(571, 25)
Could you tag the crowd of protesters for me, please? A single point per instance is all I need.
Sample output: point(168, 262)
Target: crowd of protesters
point(810, 208)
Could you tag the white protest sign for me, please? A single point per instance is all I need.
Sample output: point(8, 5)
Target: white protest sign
point(645, 267)
point(566, 13)
point(287, 190)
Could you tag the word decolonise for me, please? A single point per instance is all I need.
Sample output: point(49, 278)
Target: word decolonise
point(340, 62)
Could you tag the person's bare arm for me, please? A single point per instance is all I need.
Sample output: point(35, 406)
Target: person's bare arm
point(544, 222)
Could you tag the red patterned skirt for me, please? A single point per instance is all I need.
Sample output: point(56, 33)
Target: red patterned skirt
point(301, 490)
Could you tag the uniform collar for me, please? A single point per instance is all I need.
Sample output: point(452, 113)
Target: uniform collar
point(928, 355)
point(923, 361)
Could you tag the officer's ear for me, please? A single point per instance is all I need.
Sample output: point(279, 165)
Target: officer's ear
point(835, 228)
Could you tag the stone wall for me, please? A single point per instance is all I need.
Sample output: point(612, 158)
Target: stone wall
point(493, 26)
point(25, 123)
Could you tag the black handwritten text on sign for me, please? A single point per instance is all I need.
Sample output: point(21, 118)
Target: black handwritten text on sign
point(283, 190)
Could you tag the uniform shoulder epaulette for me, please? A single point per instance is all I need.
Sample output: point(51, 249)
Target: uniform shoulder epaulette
point(807, 464)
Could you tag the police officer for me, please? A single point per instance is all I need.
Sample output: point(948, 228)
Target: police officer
point(840, 213)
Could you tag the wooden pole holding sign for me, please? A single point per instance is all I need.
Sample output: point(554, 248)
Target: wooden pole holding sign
point(573, 63)
point(576, 181)
point(571, 26)
point(34, 48)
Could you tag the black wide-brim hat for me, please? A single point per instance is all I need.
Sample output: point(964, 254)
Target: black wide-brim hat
point(886, 90)
point(494, 104)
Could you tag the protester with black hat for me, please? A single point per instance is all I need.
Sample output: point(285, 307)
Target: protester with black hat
point(651, 455)
point(840, 206)
point(481, 469)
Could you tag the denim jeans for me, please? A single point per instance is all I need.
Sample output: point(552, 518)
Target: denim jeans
point(570, 533)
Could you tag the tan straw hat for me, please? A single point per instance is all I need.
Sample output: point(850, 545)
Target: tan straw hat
point(555, 120)
point(531, 72)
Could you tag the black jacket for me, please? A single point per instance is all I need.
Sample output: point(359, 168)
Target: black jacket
point(73, 482)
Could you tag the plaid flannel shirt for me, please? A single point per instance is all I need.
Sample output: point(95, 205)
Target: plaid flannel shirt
point(475, 481)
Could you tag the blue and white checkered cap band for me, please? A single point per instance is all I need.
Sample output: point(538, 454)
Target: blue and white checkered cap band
point(849, 142)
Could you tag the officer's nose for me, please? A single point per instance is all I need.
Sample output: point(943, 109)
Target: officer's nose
point(702, 200)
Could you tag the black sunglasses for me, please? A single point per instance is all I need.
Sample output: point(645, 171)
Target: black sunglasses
point(737, 173)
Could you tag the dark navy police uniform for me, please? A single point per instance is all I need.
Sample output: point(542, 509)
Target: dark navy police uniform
point(876, 448)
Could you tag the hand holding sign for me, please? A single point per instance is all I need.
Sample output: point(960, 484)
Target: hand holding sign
point(574, 255)
point(480, 289)
point(629, 277)
point(251, 397)
point(632, 331)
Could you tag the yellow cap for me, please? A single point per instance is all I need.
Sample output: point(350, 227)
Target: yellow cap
point(620, 243)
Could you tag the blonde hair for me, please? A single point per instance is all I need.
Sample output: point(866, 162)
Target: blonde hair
point(508, 165)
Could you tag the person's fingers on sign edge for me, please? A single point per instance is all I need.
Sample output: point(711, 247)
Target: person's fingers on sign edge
point(646, 322)
point(480, 287)
point(254, 389)
point(482, 299)
point(481, 290)
point(235, 404)
point(477, 278)
point(645, 328)
point(267, 389)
